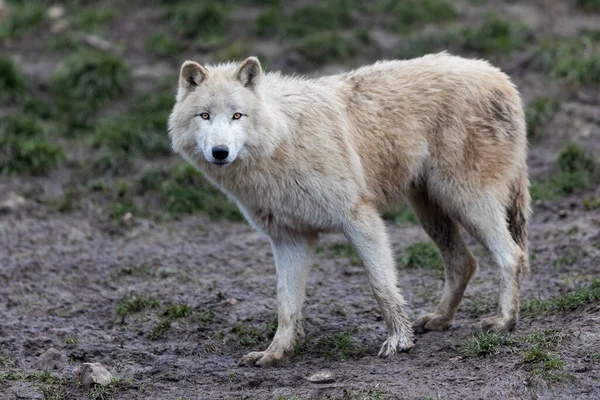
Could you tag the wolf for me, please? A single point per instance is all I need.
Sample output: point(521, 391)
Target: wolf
point(302, 157)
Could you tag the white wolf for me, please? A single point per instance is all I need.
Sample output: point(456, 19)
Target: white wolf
point(306, 156)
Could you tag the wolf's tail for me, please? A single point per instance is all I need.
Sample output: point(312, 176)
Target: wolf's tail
point(517, 215)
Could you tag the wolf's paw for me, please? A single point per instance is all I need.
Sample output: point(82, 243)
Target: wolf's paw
point(396, 344)
point(432, 322)
point(497, 323)
point(264, 359)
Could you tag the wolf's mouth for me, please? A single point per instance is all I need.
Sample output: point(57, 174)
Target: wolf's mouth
point(221, 163)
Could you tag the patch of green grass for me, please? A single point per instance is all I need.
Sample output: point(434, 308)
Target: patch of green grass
point(25, 148)
point(12, 83)
point(411, 13)
point(344, 249)
point(574, 158)
point(51, 387)
point(234, 51)
point(340, 345)
point(123, 202)
point(538, 113)
point(423, 255)
point(486, 344)
point(92, 19)
point(85, 81)
point(588, 5)
point(161, 45)
point(199, 19)
point(494, 35)
point(569, 257)
point(314, 19)
point(591, 203)
point(21, 18)
point(575, 166)
point(183, 190)
point(207, 316)
point(566, 302)
point(135, 304)
point(320, 48)
point(246, 335)
point(140, 130)
point(540, 362)
point(71, 340)
point(268, 23)
point(402, 214)
point(173, 312)
point(575, 59)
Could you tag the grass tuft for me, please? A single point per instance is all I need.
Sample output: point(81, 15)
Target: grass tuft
point(402, 214)
point(566, 302)
point(173, 312)
point(247, 336)
point(423, 255)
point(135, 304)
point(12, 83)
point(199, 19)
point(539, 112)
point(575, 167)
point(320, 48)
point(486, 344)
point(161, 45)
point(85, 81)
point(575, 59)
point(21, 18)
point(183, 190)
point(339, 345)
point(411, 13)
point(25, 148)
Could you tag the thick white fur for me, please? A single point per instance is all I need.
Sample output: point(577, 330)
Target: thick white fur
point(320, 155)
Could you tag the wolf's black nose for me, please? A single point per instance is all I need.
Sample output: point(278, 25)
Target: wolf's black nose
point(220, 152)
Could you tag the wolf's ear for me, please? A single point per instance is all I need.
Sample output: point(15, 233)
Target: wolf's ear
point(192, 74)
point(249, 71)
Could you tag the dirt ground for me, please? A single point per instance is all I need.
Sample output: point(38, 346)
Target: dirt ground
point(65, 275)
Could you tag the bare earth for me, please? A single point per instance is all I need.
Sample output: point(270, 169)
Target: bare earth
point(62, 276)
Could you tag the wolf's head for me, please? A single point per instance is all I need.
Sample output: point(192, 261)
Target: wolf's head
point(216, 110)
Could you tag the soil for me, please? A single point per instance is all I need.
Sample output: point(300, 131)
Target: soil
point(62, 276)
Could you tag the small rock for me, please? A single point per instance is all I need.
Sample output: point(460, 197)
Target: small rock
point(231, 301)
point(322, 377)
point(93, 373)
point(11, 202)
point(128, 218)
point(51, 358)
point(56, 12)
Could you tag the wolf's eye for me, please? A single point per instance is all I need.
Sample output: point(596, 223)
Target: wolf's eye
point(237, 116)
point(204, 115)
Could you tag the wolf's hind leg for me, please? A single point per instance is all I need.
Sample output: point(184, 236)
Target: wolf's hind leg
point(292, 259)
point(366, 232)
point(486, 221)
point(459, 263)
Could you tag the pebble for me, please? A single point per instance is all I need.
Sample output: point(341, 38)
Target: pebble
point(322, 377)
point(11, 203)
point(93, 373)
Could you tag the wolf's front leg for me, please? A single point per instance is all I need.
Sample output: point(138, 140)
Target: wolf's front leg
point(366, 232)
point(292, 259)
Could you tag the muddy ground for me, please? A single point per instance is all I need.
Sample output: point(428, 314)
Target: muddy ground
point(66, 276)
